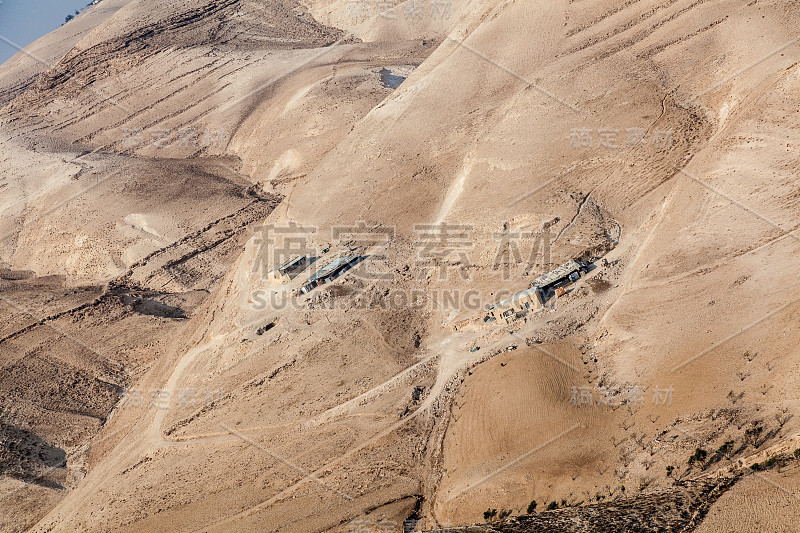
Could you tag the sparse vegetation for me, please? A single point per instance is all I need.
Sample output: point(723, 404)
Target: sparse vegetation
point(532, 506)
point(772, 462)
point(726, 448)
point(551, 506)
point(78, 12)
point(698, 456)
point(752, 436)
point(680, 508)
point(489, 514)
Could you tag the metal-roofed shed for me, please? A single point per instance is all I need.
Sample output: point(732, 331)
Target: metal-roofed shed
point(329, 272)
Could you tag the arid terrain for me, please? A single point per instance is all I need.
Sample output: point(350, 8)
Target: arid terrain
point(158, 160)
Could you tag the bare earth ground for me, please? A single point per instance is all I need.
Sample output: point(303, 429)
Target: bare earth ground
point(145, 389)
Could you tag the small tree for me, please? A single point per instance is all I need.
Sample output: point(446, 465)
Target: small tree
point(551, 506)
point(752, 436)
point(726, 448)
point(489, 514)
point(532, 506)
point(698, 456)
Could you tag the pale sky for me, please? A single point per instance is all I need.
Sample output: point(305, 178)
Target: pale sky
point(24, 21)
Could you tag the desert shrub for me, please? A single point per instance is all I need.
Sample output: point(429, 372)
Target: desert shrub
point(776, 460)
point(752, 436)
point(726, 448)
point(531, 507)
point(488, 514)
point(552, 505)
point(698, 456)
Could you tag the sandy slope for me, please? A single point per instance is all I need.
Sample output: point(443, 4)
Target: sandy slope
point(350, 413)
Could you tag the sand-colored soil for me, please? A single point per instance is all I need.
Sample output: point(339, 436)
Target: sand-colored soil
point(144, 144)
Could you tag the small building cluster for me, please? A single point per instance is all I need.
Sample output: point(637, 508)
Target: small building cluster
point(541, 290)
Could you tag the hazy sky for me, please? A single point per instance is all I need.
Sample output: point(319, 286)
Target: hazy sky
point(24, 21)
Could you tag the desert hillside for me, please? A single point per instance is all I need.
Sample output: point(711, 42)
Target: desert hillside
point(159, 161)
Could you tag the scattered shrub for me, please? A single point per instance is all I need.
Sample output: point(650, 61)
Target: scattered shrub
point(698, 456)
point(531, 507)
point(726, 448)
point(752, 436)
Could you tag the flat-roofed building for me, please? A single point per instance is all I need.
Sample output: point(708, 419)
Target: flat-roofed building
point(329, 272)
point(281, 274)
point(569, 271)
point(512, 308)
